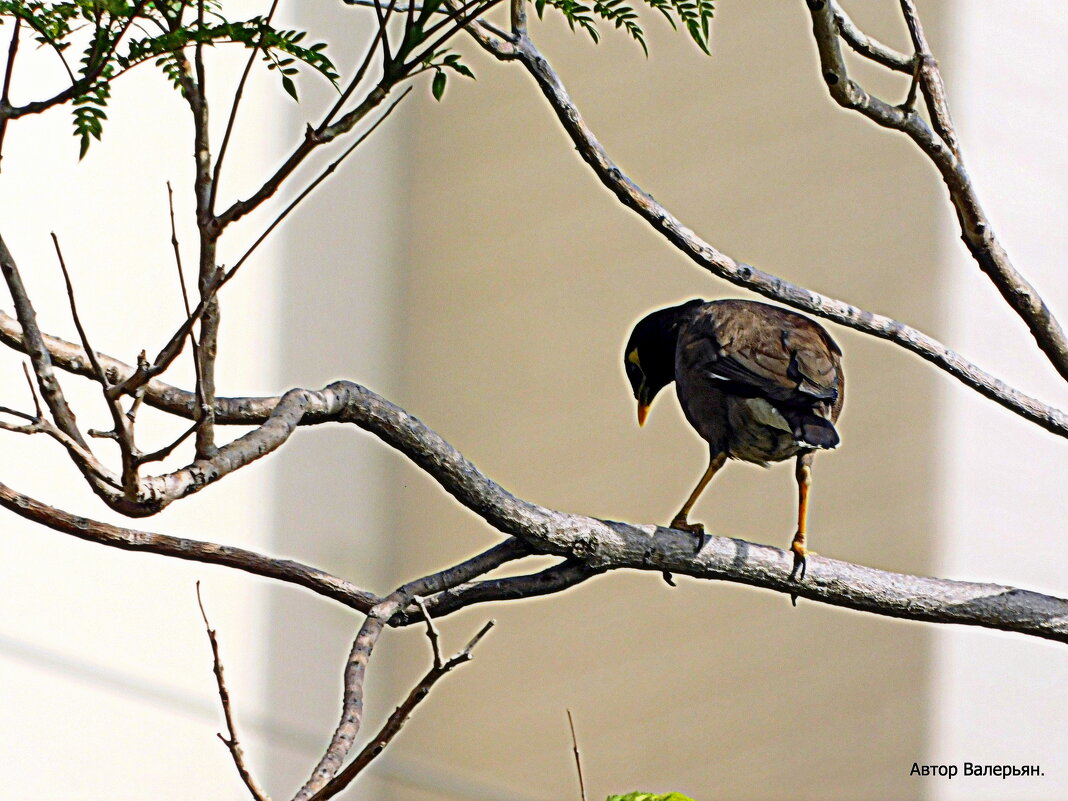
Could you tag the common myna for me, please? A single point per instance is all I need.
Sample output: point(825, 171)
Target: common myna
point(758, 382)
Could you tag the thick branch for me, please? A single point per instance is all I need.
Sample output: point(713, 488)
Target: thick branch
point(318, 581)
point(598, 545)
point(36, 350)
point(554, 579)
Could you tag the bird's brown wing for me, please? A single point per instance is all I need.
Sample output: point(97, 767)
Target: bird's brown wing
point(755, 350)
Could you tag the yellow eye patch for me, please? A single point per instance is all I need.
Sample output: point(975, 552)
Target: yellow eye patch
point(632, 357)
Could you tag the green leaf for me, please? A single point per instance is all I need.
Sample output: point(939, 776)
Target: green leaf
point(290, 87)
point(463, 69)
point(695, 16)
point(437, 87)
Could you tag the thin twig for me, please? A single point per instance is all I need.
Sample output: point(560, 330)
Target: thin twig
point(453, 15)
point(33, 392)
point(867, 46)
point(230, 740)
point(167, 450)
point(934, 90)
point(363, 646)
point(5, 94)
point(399, 9)
point(357, 78)
point(461, 23)
point(177, 249)
point(578, 757)
point(39, 424)
point(89, 352)
point(330, 168)
point(74, 88)
point(185, 295)
point(313, 139)
point(431, 631)
point(383, 18)
point(236, 103)
point(397, 720)
point(169, 352)
point(122, 425)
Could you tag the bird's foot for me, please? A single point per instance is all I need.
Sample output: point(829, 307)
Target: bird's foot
point(647, 558)
point(697, 529)
point(800, 566)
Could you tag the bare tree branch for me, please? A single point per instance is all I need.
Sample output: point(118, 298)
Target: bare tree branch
point(749, 277)
point(36, 350)
point(207, 273)
point(235, 104)
point(38, 423)
point(868, 47)
point(578, 758)
point(5, 93)
point(326, 173)
point(597, 545)
point(934, 91)
point(318, 581)
point(400, 716)
point(230, 740)
point(363, 646)
point(976, 230)
point(554, 579)
point(123, 431)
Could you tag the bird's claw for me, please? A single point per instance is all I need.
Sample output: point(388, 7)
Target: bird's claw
point(697, 529)
point(800, 566)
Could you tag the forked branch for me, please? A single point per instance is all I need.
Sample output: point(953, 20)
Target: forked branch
point(941, 148)
point(591, 546)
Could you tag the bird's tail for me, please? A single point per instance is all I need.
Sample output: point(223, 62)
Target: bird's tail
point(816, 431)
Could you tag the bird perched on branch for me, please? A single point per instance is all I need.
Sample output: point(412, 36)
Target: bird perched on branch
point(758, 383)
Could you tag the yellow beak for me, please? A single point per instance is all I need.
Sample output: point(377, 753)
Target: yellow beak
point(643, 411)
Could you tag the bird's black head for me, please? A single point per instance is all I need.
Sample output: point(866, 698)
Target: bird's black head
point(649, 357)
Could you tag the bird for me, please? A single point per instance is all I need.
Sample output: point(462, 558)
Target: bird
point(758, 382)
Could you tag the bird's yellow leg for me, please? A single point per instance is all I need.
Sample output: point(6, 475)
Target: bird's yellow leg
point(803, 473)
point(715, 462)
